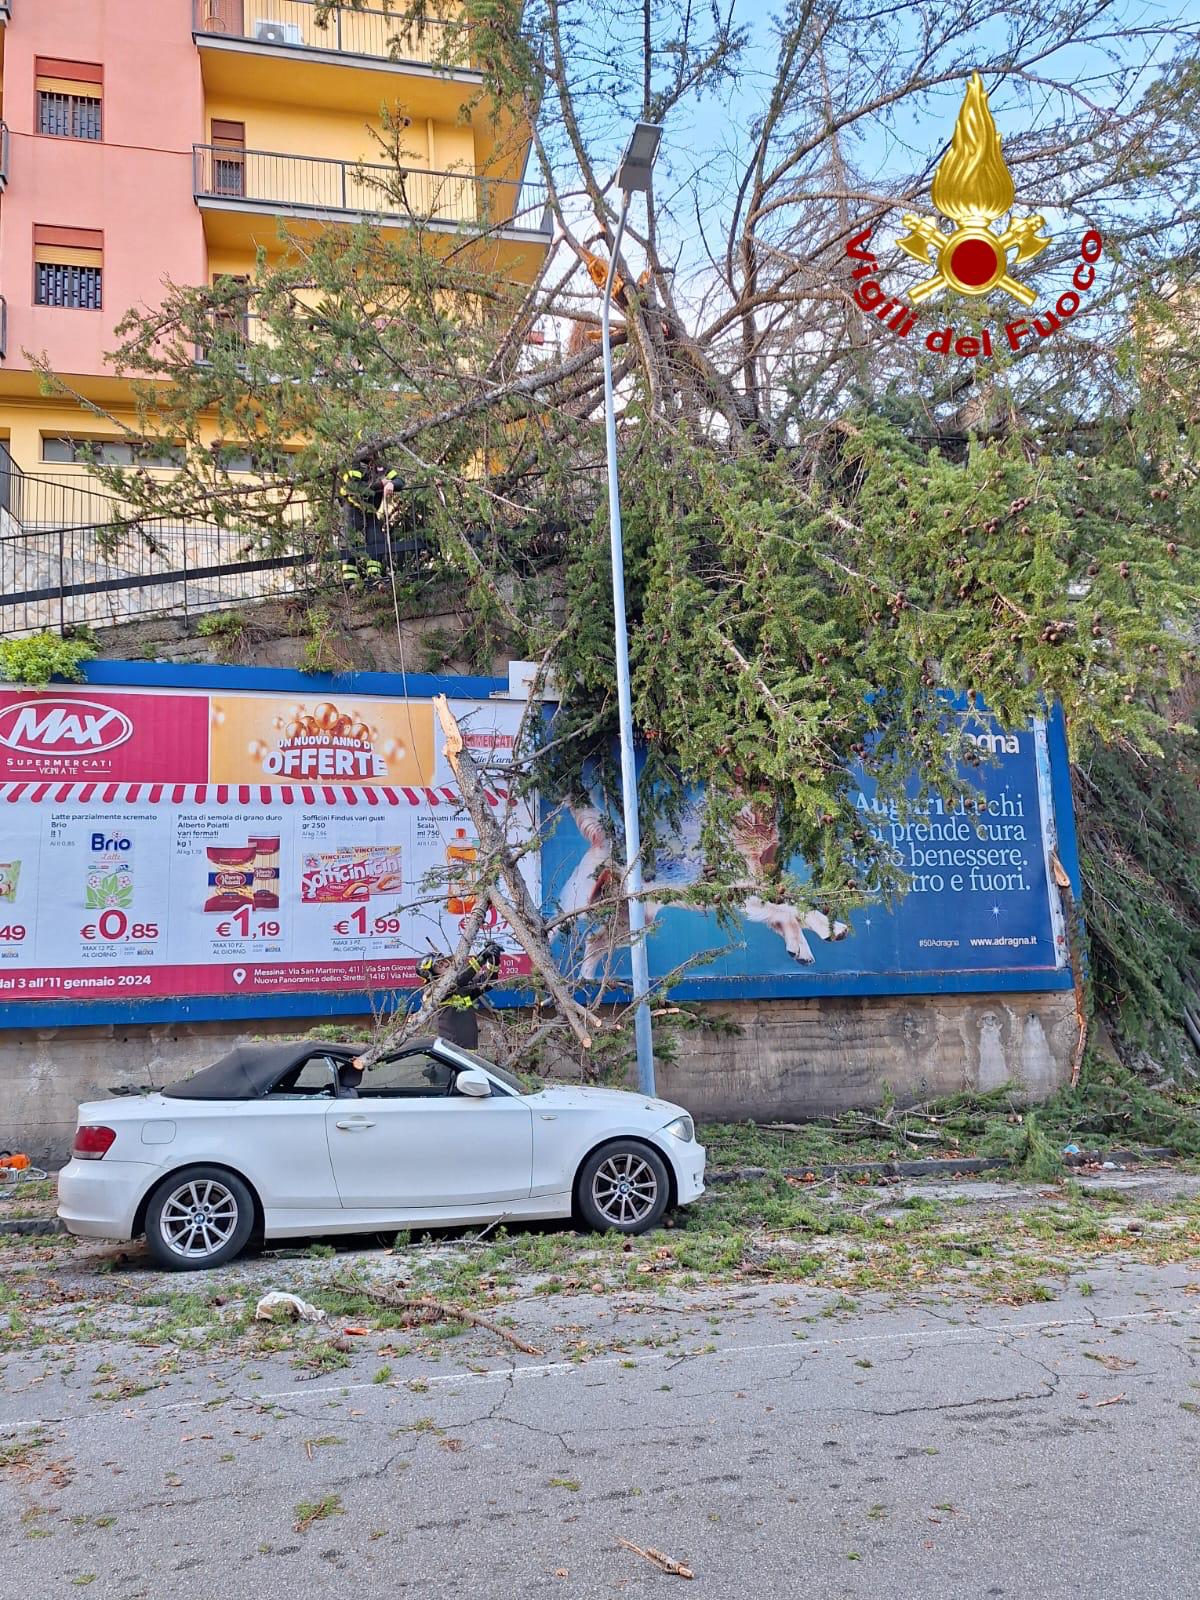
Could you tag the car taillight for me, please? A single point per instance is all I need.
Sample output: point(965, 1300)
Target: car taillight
point(92, 1141)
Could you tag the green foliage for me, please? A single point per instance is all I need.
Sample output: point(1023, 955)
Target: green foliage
point(221, 625)
point(1026, 1146)
point(45, 656)
point(781, 631)
point(227, 630)
point(813, 557)
point(1113, 1106)
point(439, 647)
point(1139, 822)
point(322, 651)
point(1110, 1108)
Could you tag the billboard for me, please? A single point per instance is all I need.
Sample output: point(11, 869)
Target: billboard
point(163, 844)
point(200, 842)
point(982, 910)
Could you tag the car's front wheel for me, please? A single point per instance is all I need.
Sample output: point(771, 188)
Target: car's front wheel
point(623, 1187)
point(200, 1217)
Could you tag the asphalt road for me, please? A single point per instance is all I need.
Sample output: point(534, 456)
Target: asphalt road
point(772, 1441)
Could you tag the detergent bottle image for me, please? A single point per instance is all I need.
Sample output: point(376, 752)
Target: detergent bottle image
point(461, 854)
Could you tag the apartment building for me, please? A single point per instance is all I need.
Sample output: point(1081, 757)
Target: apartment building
point(146, 140)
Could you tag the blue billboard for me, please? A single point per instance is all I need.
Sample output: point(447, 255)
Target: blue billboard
point(982, 910)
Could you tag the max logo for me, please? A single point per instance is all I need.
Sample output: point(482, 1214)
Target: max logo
point(63, 727)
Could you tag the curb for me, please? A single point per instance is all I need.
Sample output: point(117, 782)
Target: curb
point(18, 1225)
point(937, 1168)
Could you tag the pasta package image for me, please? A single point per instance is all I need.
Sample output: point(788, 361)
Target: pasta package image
point(244, 875)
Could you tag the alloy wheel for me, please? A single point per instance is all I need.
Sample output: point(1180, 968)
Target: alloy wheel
point(624, 1189)
point(198, 1218)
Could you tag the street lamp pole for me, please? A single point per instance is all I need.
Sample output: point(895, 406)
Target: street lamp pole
point(632, 175)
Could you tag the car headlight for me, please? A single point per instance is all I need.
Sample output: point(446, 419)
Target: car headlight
point(683, 1129)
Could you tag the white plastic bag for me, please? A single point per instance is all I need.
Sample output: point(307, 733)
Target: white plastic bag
point(289, 1305)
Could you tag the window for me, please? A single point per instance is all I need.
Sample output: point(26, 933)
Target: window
point(68, 116)
point(270, 461)
point(68, 268)
point(315, 1079)
point(75, 288)
point(228, 157)
point(409, 1077)
point(110, 453)
point(69, 98)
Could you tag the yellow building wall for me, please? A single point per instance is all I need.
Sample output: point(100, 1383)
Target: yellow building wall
point(26, 423)
point(338, 136)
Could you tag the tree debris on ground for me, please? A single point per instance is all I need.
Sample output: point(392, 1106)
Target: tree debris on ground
point(656, 1557)
point(419, 1309)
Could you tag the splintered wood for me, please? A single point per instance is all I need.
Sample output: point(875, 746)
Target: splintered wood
point(656, 1558)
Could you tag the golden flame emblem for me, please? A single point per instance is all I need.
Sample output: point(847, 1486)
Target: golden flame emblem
point(972, 187)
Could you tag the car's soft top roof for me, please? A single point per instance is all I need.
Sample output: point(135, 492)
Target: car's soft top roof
point(249, 1070)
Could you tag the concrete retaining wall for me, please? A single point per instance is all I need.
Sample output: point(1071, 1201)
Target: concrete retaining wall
point(787, 1058)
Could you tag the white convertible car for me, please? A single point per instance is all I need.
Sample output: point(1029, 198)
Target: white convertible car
point(282, 1141)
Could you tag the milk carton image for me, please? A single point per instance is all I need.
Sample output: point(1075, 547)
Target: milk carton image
point(109, 879)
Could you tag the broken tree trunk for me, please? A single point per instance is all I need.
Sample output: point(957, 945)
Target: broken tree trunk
point(507, 890)
point(1075, 948)
point(501, 887)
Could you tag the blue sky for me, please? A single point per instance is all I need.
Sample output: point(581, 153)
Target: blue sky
point(705, 139)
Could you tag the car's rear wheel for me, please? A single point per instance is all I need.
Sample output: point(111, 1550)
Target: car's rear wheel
point(200, 1217)
point(623, 1187)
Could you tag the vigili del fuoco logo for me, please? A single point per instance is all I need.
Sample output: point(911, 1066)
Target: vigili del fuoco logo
point(972, 189)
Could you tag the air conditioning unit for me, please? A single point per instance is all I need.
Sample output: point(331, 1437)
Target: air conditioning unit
point(278, 33)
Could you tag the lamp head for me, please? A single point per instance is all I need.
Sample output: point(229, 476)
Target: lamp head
point(633, 174)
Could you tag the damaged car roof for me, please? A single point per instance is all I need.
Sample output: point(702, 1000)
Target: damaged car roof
point(250, 1070)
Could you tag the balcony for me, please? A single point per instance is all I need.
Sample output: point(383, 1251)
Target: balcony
point(293, 25)
point(3, 156)
point(271, 184)
point(3, 328)
point(350, 62)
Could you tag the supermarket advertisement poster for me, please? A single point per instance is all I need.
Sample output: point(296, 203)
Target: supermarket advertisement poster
point(166, 843)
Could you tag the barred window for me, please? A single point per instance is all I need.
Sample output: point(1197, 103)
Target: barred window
point(69, 116)
point(71, 287)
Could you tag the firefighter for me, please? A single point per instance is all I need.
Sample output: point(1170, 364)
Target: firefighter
point(458, 1017)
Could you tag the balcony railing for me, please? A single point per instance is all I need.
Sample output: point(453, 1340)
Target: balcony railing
point(310, 184)
point(3, 155)
point(293, 24)
point(67, 559)
point(232, 331)
point(3, 328)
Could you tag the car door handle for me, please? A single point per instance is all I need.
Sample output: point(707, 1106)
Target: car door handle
point(352, 1124)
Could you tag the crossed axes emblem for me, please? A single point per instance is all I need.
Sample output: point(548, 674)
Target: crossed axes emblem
point(972, 260)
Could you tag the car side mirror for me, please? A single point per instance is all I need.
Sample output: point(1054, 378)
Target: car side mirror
point(477, 1085)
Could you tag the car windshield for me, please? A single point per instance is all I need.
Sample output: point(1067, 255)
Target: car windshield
point(517, 1082)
